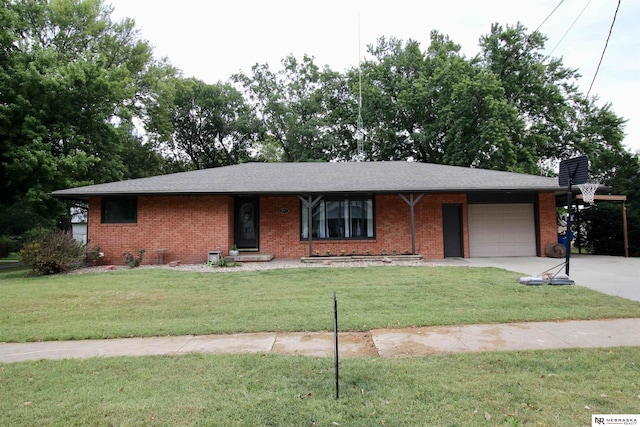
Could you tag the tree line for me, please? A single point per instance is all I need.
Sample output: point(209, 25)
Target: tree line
point(84, 101)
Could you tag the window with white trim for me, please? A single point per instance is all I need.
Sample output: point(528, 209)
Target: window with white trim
point(339, 218)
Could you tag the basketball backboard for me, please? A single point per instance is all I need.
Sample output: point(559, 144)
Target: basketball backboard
point(574, 171)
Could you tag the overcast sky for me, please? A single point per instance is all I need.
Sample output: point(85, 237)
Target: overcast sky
point(211, 40)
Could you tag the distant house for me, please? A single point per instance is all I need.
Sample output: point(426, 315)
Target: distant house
point(79, 224)
point(292, 210)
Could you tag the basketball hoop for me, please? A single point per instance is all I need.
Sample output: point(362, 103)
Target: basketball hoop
point(588, 190)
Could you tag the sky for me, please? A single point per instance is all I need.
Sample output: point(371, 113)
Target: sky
point(211, 40)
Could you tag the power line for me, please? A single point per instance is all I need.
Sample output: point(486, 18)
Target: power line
point(569, 29)
point(359, 123)
point(549, 15)
point(605, 48)
point(557, 44)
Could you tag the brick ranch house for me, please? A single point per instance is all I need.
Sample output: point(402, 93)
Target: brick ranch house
point(268, 209)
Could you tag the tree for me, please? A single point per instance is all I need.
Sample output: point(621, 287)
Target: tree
point(435, 106)
point(72, 82)
point(208, 125)
point(541, 89)
point(293, 105)
point(620, 172)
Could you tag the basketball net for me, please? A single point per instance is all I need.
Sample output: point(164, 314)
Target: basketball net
point(588, 190)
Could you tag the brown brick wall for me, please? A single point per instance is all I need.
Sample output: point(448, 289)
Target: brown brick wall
point(280, 233)
point(186, 226)
point(189, 226)
point(429, 233)
point(547, 218)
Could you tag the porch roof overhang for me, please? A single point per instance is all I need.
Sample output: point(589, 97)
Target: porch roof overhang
point(321, 178)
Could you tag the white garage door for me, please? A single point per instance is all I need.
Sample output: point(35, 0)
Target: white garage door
point(502, 230)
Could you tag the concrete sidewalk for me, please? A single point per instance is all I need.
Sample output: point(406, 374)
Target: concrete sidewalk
point(387, 343)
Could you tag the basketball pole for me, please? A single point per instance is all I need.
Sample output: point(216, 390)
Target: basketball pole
point(568, 244)
point(572, 171)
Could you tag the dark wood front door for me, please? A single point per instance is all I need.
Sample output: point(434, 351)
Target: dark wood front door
point(247, 222)
point(452, 229)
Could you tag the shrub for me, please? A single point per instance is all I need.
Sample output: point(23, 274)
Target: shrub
point(96, 255)
point(52, 251)
point(6, 246)
point(604, 229)
point(131, 260)
point(222, 262)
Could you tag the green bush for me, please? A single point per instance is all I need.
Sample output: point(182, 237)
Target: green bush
point(6, 246)
point(131, 260)
point(605, 230)
point(51, 252)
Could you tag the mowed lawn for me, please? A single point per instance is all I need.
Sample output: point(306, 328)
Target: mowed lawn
point(528, 388)
point(152, 302)
point(531, 388)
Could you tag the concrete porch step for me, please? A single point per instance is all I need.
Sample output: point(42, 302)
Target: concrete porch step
point(250, 258)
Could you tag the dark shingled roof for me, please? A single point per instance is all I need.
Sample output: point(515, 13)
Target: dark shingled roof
point(300, 178)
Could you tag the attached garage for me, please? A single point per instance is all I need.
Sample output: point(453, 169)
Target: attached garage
point(502, 230)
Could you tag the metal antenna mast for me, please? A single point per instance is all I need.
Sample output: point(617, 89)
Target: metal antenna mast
point(359, 123)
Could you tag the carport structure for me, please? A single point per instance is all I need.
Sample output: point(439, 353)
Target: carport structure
point(609, 198)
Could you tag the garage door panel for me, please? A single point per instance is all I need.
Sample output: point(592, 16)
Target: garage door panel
point(502, 230)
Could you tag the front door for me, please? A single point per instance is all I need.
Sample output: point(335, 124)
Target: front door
point(247, 221)
point(452, 229)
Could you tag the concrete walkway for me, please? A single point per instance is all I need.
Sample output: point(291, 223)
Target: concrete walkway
point(387, 343)
point(610, 275)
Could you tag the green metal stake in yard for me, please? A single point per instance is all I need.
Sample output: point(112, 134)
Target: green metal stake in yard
point(335, 336)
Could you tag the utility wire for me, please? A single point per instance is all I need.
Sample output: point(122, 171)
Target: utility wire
point(359, 123)
point(549, 16)
point(557, 44)
point(528, 40)
point(569, 29)
point(605, 48)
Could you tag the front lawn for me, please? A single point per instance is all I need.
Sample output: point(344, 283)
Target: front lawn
point(13, 256)
point(531, 388)
point(150, 302)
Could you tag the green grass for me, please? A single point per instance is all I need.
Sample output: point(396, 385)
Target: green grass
point(13, 257)
point(536, 388)
point(150, 302)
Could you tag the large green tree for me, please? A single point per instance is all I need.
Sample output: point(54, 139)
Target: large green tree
point(560, 122)
point(435, 106)
point(202, 125)
point(294, 106)
point(72, 82)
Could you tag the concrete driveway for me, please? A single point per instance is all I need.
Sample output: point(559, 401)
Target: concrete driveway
point(611, 275)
